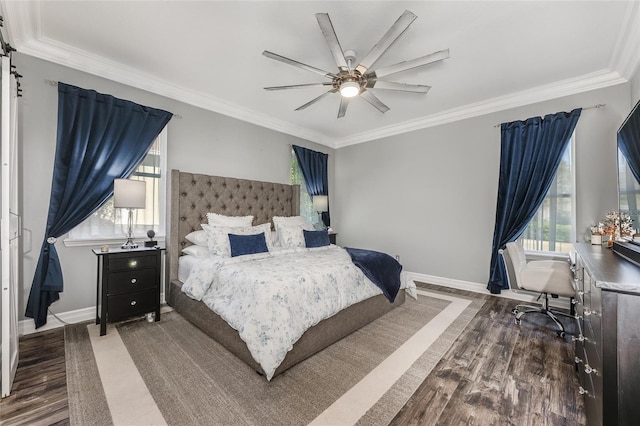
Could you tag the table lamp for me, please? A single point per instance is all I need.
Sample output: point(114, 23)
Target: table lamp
point(129, 194)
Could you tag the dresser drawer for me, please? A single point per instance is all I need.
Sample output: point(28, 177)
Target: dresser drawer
point(134, 280)
point(125, 305)
point(128, 262)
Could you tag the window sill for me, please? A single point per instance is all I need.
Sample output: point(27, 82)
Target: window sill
point(92, 242)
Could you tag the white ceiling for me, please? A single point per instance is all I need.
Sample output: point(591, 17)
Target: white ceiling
point(209, 53)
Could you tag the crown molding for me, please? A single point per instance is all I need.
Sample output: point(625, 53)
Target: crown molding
point(26, 36)
point(567, 87)
point(625, 57)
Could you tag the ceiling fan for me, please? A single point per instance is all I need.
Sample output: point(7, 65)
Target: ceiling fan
point(350, 80)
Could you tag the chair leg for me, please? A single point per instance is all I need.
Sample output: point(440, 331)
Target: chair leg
point(520, 310)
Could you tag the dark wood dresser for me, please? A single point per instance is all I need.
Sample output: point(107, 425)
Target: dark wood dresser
point(608, 340)
point(128, 284)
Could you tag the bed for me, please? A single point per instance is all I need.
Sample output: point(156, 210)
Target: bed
point(190, 198)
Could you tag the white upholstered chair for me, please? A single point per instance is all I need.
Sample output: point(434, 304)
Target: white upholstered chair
point(547, 277)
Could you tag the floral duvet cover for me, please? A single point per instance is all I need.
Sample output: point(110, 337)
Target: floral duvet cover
point(272, 298)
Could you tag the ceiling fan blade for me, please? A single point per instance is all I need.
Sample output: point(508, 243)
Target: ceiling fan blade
point(344, 103)
point(313, 101)
point(386, 41)
point(369, 97)
point(332, 40)
point(403, 87)
point(407, 65)
point(299, 86)
point(298, 64)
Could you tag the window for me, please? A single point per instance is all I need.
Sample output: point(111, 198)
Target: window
point(553, 227)
point(306, 203)
point(109, 223)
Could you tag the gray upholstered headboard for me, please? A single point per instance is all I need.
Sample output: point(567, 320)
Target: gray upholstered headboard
point(191, 196)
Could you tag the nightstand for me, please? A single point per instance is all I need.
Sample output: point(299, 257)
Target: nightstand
point(128, 284)
point(332, 237)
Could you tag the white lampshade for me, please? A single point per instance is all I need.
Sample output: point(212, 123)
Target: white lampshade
point(320, 203)
point(129, 194)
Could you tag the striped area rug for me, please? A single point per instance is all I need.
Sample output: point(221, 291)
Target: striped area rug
point(170, 372)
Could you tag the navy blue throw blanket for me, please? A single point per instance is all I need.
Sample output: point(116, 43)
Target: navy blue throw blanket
point(380, 268)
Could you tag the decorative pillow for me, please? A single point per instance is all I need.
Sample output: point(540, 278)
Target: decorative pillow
point(198, 238)
point(216, 219)
point(218, 236)
point(197, 251)
point(247, 244)
point(288, 220)
point(316, 238)
point(291, 236)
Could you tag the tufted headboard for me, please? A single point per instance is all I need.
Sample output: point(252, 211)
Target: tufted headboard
point(191, 196)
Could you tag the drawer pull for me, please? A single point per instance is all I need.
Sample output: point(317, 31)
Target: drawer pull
point(580, 293)
point(133, 263)
point(577, 360)
point(589, 370)
point(578, 317)
point(134, 280)
point(134, 303)
point(583, 391)
point(587, 312)
point(580, 338)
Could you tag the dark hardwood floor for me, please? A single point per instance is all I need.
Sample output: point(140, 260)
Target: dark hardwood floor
point(496, 373)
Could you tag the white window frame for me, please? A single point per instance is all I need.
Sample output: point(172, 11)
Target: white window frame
point(572, 232)
point(93, 241)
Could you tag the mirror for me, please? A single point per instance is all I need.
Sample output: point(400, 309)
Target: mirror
point(629, 168)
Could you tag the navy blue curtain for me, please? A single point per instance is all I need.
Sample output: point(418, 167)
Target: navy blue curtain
point(629, 141)
point(100, 138)
point(530, 154)
point(314, 171)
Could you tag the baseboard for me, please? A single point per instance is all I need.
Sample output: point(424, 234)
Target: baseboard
point(70, 317)
point(519, 295)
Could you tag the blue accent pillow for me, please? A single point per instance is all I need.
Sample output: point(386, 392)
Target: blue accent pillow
point(316, 238)
point(247, 244)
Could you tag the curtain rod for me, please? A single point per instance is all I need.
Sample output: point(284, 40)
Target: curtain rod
point(55, 83)
point(596, 106)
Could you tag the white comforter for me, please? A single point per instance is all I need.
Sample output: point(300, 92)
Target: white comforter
point(271, 299)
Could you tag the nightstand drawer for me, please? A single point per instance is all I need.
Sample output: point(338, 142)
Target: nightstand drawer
point(124, 263)
point(125, 305)
point(136, 280)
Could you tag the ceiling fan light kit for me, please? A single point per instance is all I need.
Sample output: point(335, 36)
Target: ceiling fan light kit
point(350, 82)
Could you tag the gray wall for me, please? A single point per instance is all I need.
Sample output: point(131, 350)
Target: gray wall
point(201, 141)
point(430, 196)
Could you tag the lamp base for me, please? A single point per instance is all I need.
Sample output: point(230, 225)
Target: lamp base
point(129, 244)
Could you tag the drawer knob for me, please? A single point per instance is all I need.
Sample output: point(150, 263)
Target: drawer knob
point(577, 360)
point(133, 263)
point(589, 370)
point(583, 391)
point(134, 303)
point(587, 312)
point(134, 280)
point(580, 338)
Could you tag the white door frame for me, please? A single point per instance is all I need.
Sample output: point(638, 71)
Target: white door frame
point(9, 227)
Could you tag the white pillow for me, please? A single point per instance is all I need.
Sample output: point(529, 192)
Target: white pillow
point(199, 251)
point(218, 236)
point(288, 220)
point(216, 219)
point(291, 236)
point(198, 238)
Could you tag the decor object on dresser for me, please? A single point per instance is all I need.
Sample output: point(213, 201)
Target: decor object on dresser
point(151, 242)
point(353, 80)
point(128, 284)
point(548, 277)
point(129, 194)
point(607, 346)
point(199, 296)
